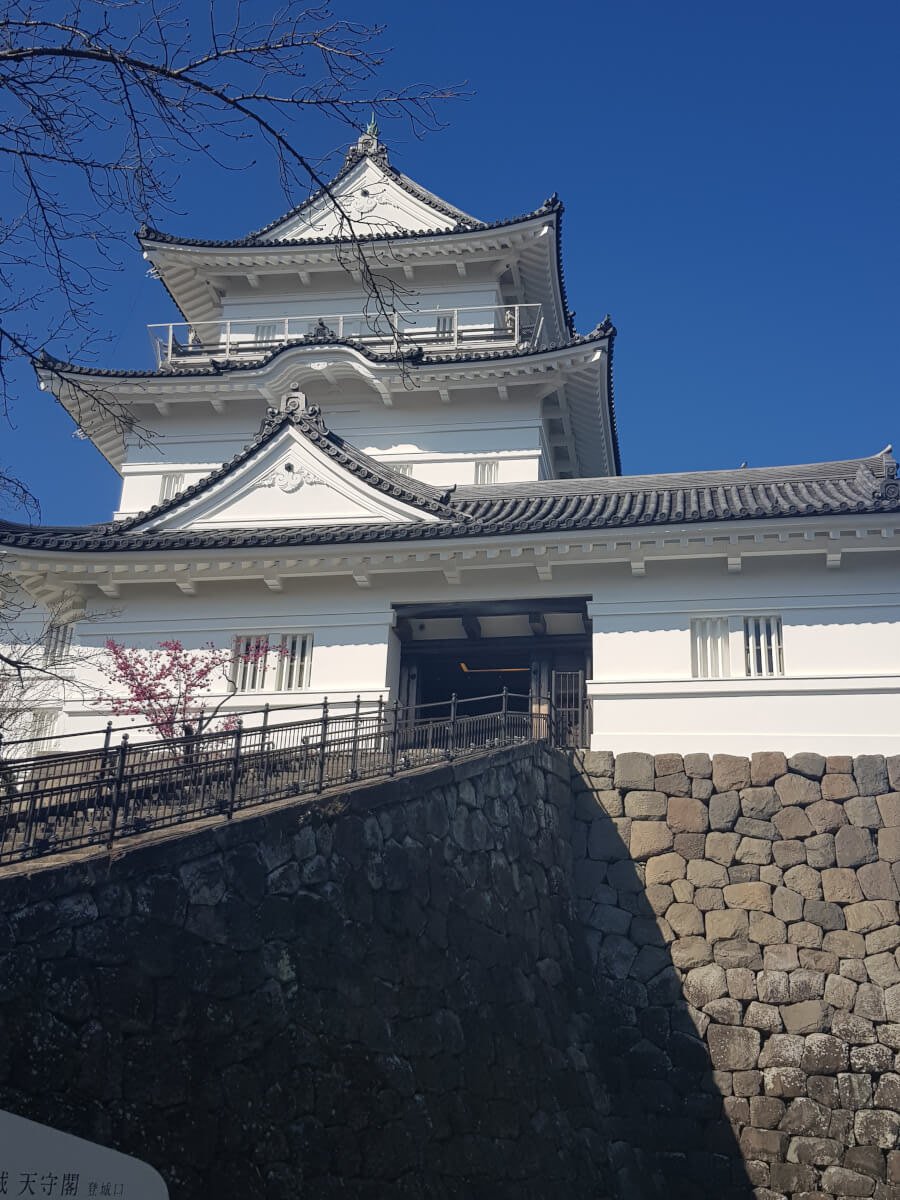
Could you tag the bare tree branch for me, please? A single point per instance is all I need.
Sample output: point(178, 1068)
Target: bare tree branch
point(103, 102)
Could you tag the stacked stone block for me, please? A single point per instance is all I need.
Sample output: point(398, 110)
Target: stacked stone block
point(370, 995)
point(758, 900)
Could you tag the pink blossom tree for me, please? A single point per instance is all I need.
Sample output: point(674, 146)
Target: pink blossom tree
point(169, 684)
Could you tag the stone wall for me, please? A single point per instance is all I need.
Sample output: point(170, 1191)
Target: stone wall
point(376, 994)
point(764, 893)
point(523, 975)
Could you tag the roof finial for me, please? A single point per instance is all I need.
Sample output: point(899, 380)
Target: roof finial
point(368, 145)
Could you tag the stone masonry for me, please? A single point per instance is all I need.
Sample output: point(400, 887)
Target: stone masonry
point(773, 885)
point(375, 994)
point(516, 976)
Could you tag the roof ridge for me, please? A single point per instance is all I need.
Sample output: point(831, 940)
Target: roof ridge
point(377, 154)
point(716, 477)
point(149, 233)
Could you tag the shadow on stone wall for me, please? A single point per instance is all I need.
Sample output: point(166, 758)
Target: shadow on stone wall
point(668, 1130)
point(380, 994)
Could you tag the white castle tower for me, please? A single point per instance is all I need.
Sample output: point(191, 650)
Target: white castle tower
point(381, 443)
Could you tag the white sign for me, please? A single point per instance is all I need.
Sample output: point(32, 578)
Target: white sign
point(42, 1162)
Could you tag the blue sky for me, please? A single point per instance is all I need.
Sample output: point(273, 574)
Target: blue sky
point(731, 178)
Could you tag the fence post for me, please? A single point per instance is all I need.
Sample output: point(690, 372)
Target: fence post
point(117, 787)
point(235, 766)
point(320, 774)
point(395, 734)
point(504, 723)
point(354, 758)
point(107, 738)
point(451, 733)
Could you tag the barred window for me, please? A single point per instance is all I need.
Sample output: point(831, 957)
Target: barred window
point(709, 648)
point(763, 653)
point(170, 485)
point(763, 647)
point(57, 643)
point(43, 726)
point(486, 470)
point(260, 663)
point(251, 654)
point(292, 662)
point(402, 468)
point(265, 332)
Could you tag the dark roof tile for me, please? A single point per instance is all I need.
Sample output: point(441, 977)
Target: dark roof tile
point(867, 485)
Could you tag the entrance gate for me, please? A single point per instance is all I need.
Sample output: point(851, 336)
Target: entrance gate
point(463, 656)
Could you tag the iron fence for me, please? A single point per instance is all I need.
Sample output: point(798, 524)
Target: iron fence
point(63, 801)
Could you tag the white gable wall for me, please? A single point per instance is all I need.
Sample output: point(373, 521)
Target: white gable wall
point(442, 442)
point(288, 482)
point(374, 202)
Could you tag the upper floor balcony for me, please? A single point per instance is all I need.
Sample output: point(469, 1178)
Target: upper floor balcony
point(181, 345)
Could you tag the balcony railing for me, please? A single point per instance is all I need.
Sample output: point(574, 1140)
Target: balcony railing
point(435, 330)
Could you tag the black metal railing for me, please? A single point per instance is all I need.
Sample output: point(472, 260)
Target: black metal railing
point(63, 801)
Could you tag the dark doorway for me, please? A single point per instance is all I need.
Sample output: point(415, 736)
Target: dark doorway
point(536, 650)
point(479, 670)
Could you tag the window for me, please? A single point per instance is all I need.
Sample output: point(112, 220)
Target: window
point(265, 332)
point(402, 468)
point(486, 470)
point(57, 642)
point(43, 725)
point(251, 655)
point(712, 639)
point(763, 655)
point(292, 659)
point(709, 648)
point(443, 328)
point(259, 664)
point(170, 485)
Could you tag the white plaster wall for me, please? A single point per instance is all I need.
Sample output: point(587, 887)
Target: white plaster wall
point(442, 441)
point(840, 693)
point(831, 716)
point(303, 303)
point(42, 688)
point(350, 643)
point(841, 635)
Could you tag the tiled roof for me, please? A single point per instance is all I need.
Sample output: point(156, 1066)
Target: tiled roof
point(309, 422)
point(408, 358)
point(861, 485)
point(257, 241)
point(403, 181)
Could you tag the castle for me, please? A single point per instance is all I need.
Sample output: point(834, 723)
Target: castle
point(385, 455)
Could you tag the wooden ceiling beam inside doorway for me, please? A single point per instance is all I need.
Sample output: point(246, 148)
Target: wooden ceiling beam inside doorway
point(472, 626)
point(538, 623)
point(494, 608)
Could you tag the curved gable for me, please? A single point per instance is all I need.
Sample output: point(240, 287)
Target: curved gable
point(295, 474)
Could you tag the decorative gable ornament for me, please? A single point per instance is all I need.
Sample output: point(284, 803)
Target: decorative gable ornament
point(291, 476)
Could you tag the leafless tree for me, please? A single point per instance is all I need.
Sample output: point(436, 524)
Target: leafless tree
point(36, 665)
point(103, 102)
